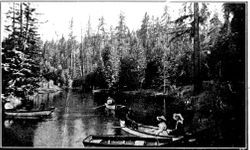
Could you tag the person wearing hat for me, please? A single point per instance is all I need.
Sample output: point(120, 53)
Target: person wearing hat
point(179, 128)
point(110, 106)
point(161, 124)
point(110, 101)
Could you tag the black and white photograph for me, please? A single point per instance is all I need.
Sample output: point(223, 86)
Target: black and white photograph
point(124, 74)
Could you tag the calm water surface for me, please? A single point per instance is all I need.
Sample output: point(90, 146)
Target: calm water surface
point(73, 120)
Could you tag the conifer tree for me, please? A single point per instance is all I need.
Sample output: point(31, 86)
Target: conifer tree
point(21, 53)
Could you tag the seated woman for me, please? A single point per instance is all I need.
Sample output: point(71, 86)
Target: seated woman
point(161, 124)
point(179, 128)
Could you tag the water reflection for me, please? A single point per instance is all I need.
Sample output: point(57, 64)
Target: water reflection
point(19, 132)
point(78, 134)
point(47, 134)
point(71, 122)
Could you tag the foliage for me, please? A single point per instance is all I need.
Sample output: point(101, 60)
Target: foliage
point(227, 55)
point(159, 55)
point(99, 78)
point(128, 75)
point(21, 53)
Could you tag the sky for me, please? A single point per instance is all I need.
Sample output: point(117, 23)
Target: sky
point(57, 15)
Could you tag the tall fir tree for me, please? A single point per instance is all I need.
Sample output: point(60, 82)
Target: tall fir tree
point(21, 53)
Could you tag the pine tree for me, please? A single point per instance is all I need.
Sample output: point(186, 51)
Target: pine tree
point(21, 53)
point(121, 36)
point(71, 46)
point(143, 32)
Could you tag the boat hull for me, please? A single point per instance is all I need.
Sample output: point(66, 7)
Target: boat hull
point(123, 141)
point(29, 114)
point(147, 132)
point(114, 107)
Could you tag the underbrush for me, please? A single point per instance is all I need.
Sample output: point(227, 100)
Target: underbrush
point(217, 113)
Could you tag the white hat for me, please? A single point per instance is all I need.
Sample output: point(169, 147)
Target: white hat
point(161, 117)
point(109, 102)
point(178, 117)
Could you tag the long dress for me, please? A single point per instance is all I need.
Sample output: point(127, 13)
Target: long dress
point(179, 129)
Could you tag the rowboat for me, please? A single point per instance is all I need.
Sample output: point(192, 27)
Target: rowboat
point(147, 131)
point(28, 114)
point(123, 141)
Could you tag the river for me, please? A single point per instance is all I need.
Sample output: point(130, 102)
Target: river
point(74, 119)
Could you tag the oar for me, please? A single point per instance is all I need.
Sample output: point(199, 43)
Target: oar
point(117, 127)
point(98, 107)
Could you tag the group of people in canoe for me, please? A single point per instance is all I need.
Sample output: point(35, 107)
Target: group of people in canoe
point(177, 118)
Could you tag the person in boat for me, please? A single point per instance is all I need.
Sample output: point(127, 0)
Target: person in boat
point(110, 101)
point(162, 126)
point(130, 122)
point(110, 106)
point(179, 128)
point(124, 115)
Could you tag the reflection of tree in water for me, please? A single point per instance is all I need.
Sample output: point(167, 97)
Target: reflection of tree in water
point(21, 133)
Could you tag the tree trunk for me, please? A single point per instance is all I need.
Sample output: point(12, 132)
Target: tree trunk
point(81, 56)
point(13, 21)
point(197, 79)
point(27, 24)
point(21, 19)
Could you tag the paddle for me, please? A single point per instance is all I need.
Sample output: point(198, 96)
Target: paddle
point(117, 127)
point(98, 107)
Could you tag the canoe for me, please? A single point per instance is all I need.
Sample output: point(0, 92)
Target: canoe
point(100, 91)
point(113, 107)
point(147, 131)
point(96, 91)
point(28, 114)
point(123, 141)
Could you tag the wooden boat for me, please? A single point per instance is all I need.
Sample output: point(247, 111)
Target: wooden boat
point(28, 114)
point(123, 141)
point(113, 106)
point(96, 91)
point(100, 91)
point(147, 131)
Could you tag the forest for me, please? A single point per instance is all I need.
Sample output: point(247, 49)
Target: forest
point(197, 58)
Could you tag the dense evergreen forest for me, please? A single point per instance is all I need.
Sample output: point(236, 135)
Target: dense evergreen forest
point(164, 56)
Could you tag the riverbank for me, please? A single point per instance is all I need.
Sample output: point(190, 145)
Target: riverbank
point(217, 113)
point(46, 87)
